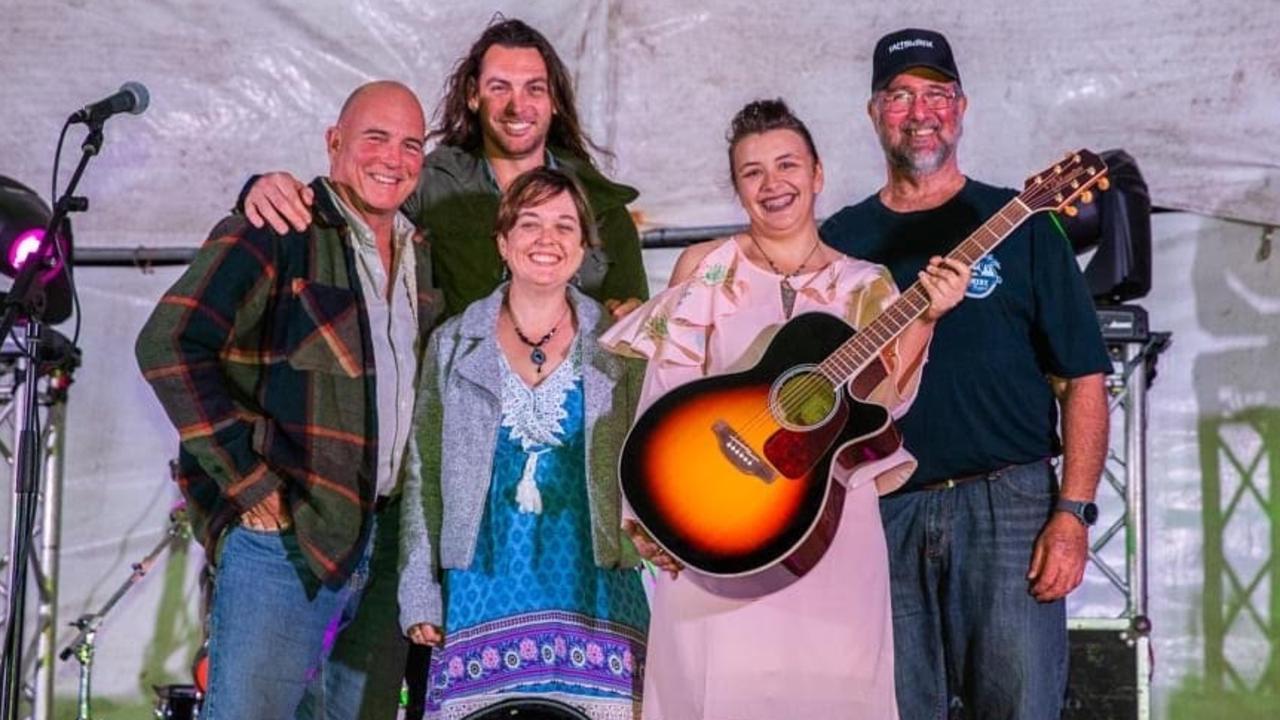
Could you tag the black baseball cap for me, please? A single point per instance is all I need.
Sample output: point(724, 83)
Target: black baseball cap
point(905, 49)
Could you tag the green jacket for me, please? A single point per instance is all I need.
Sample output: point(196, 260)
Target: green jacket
point(456, 204)
point(261, 356)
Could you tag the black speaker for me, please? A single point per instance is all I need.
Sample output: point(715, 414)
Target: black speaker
point(1102, 679)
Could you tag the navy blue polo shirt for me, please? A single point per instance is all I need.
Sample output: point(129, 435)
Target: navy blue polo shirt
point(984, 401)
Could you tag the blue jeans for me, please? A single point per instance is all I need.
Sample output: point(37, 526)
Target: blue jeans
point(969, 639)
point(281, 645)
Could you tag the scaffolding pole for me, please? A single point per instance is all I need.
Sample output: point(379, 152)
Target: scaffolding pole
point(36, 678)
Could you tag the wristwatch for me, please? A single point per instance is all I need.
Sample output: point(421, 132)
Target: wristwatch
point(1085, 512)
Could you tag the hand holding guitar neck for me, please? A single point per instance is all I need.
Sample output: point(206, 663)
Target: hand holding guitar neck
point(944, 281)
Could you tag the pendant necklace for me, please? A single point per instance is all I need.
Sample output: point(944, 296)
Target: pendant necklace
point(537, 355)
point(787, 289)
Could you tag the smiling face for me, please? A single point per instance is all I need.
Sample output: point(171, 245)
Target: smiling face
point(777, 180)
point(919, 140)
point(375, 150)
point(512, 98)
point(545, 246)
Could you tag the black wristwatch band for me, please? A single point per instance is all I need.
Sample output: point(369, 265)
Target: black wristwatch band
point(1085, 512)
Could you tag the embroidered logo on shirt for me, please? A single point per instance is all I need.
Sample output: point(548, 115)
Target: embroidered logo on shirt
point(985, 278)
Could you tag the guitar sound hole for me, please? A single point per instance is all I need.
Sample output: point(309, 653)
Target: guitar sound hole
point(803, 399)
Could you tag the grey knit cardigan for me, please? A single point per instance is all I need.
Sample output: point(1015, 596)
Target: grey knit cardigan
point(450, 456)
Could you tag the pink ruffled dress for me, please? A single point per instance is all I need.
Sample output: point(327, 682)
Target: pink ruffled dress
point(823, 646)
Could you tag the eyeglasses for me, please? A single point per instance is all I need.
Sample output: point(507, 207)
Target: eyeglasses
point(899, 101)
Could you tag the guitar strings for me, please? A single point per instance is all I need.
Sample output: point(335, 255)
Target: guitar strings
point(818, 383)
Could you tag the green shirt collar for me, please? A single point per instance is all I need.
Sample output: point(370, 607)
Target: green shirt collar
point(491, 180)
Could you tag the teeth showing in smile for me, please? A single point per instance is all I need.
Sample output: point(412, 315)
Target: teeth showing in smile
point(517, 128)
point(384, 179)
point(544, 258)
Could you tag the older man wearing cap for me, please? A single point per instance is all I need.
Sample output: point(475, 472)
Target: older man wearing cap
point(984, 544)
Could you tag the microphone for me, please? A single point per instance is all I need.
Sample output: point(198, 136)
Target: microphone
point(132, 98)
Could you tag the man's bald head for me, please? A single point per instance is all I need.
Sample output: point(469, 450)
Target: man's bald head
point(376, 90)
point(375, 149)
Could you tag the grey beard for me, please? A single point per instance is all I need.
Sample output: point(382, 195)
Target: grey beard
point(916, 165)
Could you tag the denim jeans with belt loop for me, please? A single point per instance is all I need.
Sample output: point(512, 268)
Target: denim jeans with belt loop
point(970, 641)
point(284, 646)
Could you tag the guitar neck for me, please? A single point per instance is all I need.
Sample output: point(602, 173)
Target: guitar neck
point(857, 352)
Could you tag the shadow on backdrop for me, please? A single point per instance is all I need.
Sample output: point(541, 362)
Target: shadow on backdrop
point(1238, 399)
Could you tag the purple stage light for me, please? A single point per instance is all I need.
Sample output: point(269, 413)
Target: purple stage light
point(23, 246)
point(23, 218)
point(27, 244)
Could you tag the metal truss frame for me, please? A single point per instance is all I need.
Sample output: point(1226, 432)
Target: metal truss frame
point(1125, 475)
point(38, 673)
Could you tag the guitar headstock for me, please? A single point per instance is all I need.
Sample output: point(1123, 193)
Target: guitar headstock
point(1067, 182)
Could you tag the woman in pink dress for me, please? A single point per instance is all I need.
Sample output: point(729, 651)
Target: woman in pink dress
point(821, 647)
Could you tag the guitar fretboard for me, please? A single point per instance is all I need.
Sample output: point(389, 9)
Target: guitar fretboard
point(854, 355)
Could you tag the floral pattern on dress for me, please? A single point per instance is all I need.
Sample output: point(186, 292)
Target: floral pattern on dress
point(596, 653)
point(713, 274)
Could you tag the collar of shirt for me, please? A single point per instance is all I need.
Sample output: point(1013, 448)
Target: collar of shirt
point(362, 235)
point(549, 160)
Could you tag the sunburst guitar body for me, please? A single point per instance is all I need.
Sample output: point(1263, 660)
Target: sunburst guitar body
point(732, 474)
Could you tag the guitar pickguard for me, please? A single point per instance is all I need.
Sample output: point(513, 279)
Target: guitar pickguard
point(796, 453)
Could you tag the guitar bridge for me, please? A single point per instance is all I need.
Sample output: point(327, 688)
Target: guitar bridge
point(738, 452)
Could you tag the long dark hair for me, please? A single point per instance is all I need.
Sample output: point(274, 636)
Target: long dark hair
point(455, 124)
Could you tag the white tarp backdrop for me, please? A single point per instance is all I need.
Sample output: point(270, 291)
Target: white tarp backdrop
point(1190, 88)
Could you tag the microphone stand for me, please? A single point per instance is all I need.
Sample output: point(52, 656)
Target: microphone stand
point(81, 647)
point(26, 297)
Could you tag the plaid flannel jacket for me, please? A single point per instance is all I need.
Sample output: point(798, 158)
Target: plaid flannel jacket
point(261, 356)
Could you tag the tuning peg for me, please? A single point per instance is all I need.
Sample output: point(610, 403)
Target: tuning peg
point(1070, 211)
point(1086, 196)
point(1104, 184)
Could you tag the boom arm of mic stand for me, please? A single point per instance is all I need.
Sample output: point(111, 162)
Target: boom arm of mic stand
point(89, 622)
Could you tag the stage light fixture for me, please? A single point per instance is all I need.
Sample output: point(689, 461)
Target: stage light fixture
point(1118, 224)
point(23, 218)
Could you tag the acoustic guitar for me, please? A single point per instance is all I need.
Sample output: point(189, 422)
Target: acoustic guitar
point(732, 475)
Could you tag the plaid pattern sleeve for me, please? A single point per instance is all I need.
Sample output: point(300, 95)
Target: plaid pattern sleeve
point(209, 320)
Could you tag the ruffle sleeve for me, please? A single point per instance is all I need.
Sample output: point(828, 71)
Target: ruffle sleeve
point(671, 330)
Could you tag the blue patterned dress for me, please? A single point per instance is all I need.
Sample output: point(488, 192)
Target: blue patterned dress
point(533, 614)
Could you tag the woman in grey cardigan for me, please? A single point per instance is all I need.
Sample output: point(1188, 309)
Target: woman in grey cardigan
point(516, 569)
